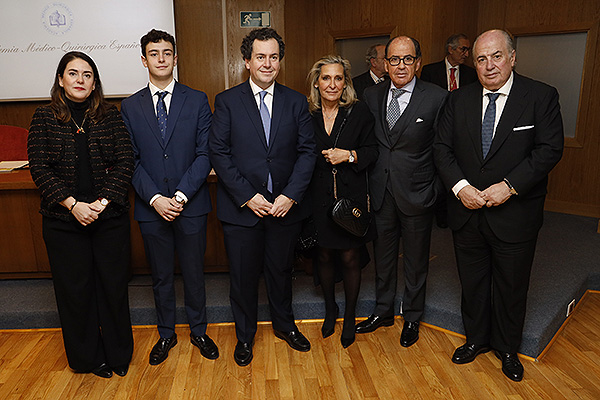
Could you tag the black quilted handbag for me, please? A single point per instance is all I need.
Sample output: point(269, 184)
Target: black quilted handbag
point(350, 215)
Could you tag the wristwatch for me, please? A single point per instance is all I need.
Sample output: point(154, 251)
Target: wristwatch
point(103, 201)
point(179, 198)
point(351, 157)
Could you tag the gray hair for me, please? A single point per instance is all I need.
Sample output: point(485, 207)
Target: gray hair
point(372, 52)
point(453, 40)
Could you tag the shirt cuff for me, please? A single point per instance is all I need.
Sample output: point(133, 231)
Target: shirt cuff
point(185, 199)
point(156, 196)
point(459, 186)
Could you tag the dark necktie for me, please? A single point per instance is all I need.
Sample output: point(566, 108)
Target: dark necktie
point(266, 121)
point(393, 111)
point(487, 126)
point(161, 114)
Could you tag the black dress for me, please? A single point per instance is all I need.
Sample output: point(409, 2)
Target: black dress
point(356, 134)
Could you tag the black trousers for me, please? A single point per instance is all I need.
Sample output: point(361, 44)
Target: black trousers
point(266, 247)
point(495, 278)
point(90, 271)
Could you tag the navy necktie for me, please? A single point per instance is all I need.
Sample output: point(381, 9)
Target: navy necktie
point(266, 121)
point(487, 126)
point(393, 111)
point(161, 114)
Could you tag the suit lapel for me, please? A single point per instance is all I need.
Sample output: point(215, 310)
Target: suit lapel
point(382, 94)
point(409, 114)
point(149, 112)
point(278, 107)
point(177, 100)
point(515, 104)
point(249, 104)
point(474, 102)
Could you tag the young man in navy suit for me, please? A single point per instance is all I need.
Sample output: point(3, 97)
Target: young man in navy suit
point(496, 143)
point(169, 125)
point(262, 149)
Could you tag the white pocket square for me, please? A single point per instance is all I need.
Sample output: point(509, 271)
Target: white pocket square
point(522, 128)
point(418, 120)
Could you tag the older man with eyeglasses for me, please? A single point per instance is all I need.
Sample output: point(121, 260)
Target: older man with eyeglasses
point(404, 185)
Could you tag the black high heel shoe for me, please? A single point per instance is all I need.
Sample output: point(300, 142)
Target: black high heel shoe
point(329, 324)
point(346, 342)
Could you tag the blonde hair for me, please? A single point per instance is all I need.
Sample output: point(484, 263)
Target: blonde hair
point(314, 98)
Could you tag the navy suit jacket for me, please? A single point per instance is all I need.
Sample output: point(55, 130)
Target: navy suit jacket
point(405, 162)
point(527, 145)
point(181, 161)
point(242, 159)
point(436, 73)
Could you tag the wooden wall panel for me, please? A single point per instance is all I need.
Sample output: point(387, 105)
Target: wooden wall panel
point(574, 185)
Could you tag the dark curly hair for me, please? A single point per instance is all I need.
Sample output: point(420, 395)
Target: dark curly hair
point(261, 34)
point(156, 36)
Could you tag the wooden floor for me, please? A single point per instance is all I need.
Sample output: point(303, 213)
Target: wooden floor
point(33, 366)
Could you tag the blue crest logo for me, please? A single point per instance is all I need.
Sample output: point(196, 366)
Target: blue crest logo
point(57, 18)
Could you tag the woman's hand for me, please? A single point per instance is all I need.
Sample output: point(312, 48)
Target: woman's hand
point(336, 156)
point(86, 213)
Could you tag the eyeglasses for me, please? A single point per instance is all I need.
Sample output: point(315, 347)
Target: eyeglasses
point(463, 49)
point(407, 60)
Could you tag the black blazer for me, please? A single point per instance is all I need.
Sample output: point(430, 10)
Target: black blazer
point(527, 145)
point(405, 152)
point(436, 73)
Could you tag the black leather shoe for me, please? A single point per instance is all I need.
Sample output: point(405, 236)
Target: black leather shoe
point(373, 322)
point(121, 370)
point(295, 339)
point(207, 347)
point(242, 353)
point(160, 351)
point(410, 333)
point(468, 351)
point(347, 341)
point(103, 371)
point(511, 366)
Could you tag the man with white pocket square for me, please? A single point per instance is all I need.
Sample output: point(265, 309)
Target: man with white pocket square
point(497, 141)
point(403, 185)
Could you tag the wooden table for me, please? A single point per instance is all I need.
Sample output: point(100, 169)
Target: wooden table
point(22, 248)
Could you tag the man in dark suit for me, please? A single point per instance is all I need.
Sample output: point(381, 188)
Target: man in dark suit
point(403, 185)
point(452, 73)
point(262, 149)
point(496, 144)
point(169, 125)
point(375, 59)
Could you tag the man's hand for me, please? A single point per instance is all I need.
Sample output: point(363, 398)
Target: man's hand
point(259, 205)
point(496, 194)
point(281, 206)
point(471, 197)
point(167, 208)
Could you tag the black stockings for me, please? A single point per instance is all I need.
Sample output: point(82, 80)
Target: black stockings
point(349, 261)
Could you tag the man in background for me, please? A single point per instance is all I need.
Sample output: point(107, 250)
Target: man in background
point(375, 59)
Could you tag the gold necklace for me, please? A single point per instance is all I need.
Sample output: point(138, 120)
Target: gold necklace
point(80, 128)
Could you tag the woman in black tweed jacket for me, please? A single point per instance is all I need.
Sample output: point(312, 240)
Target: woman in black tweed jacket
point(81, 159)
